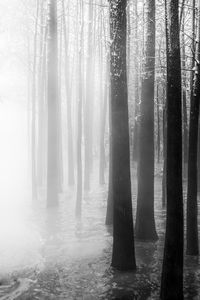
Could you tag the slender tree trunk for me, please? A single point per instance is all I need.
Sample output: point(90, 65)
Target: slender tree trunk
point(79, 125)
point(33, 125)
point(192, 205)
point(41, 97)
point(123, 256)
point(60, 110)
point(172, 271)
point(53, 109)
point(102, 104)
point(136, 121)
point(70, 151)
point(109, 211)
point(102, 161)
point(88, 101)
point(184, 106)
point(145, 222)
point(158, 123)
point(164, 192)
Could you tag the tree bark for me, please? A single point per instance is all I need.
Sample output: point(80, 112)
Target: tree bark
point(145, 222)
point(172, 270)
point(192, 205)
point(123, 256)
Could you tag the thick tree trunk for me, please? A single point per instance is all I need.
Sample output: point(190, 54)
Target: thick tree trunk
point(172, 271)
point(53, 109)
point(123, 256)
point(192, 205)
point(145, 222)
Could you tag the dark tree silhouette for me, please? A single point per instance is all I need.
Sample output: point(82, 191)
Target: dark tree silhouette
point(192, 205)
point(172, 271)
point(145, 222)
point(123, 257)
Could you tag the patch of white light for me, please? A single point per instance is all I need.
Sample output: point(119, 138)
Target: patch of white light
point(20, 243)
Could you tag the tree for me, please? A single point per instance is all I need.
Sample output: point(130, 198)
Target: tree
point(192, 205)
point(79, 121)
point(88, 100)
point(41, 147)
point(136, 87)
point(33, 117)
point(109, 211)
point(172, 270)
point(67, 89)
point(123, 256)
point(53, 109)
point(145, 222)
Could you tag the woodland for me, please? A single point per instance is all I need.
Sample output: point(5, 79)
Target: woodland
point(100, 149)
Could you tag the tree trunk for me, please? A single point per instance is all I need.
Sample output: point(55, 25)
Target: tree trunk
point(33, 123)
point(41, 104)
point(123, 256)
point(164, 192)
point(172, 271)
point(102, 161)
point(158, 124)
point(192, 205)
point(79, 125)
point(145, 222)
point(184, 107)
point(70, 151)
point(109, 211)
point(88, 101)
point(136, 121)
point(53, 109)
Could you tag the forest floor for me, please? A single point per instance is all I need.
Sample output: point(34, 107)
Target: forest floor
point(65, 258)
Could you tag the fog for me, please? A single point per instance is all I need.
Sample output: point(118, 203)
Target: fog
point(85, 96)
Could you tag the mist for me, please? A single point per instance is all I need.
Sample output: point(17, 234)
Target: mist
point(99, 149)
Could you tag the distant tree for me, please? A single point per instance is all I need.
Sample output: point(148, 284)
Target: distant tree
point(88, 101)
point(41, 144)
point(33, 99)
point(172, 270)
point(70, 152)
point(192, 205)
point(123, 256)
point(53, 109)
point(80, 112)
point(103, 97)
point(145, 222)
